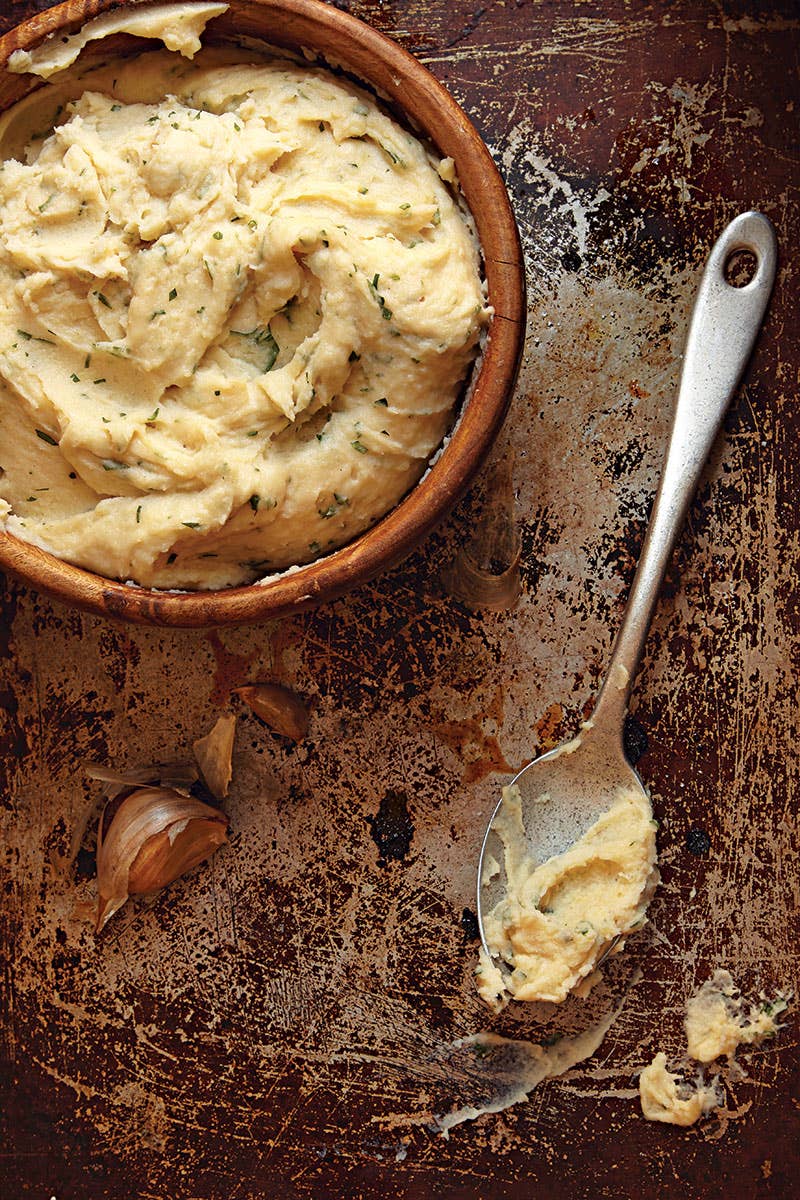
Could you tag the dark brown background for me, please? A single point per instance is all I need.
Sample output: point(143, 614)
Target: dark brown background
point(280, 1023)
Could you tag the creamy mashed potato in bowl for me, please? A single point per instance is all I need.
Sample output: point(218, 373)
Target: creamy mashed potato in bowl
point(241, 304)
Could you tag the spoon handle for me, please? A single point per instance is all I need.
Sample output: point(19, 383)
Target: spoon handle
point(723, 328)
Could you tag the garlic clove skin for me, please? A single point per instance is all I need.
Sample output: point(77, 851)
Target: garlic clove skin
point(484, 575)
point(214, 755)
point(278, 707)
point(177, 775)
point(154, 836)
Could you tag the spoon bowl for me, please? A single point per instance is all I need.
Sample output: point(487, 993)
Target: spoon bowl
point(563, 793)
point(562, 798)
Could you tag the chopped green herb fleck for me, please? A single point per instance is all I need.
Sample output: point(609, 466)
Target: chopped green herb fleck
point(158, 313)
point(138, 514)
point(75, 378)
point(153, 417)
point(551, 1041)
point(173, 295)
point(254, 502)
point(353, 357)
point(359, 446)
point(261, 337)
point(103, 300)
point(383, 402)
point(101, 380)
point(192, 524)
point(217, 235)
point(386, 313)
point(40, 433)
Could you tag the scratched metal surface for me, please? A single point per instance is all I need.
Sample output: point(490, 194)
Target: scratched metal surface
point(279, 1022)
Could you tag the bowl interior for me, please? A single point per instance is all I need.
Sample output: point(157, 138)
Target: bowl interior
point(417, 99)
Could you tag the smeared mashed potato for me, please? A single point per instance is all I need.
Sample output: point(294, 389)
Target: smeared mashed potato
point(557, 918)
point(237, 305)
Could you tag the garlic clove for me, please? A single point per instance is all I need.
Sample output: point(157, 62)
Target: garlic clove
point(154, 836)
point(214, 754)
point(169, 854)
point(278, 707)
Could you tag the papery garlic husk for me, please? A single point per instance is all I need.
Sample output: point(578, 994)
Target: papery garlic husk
point(214, 754)
point(479, 589)
point(278, 707)
point(154, 836)
point(485, 574)
point(177, 775)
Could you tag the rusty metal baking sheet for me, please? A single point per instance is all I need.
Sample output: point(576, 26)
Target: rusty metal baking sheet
point(282, 1021)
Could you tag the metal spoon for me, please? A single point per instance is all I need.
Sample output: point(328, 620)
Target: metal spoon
point(565, 791)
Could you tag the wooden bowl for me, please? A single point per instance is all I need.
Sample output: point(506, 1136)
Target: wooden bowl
point(426, 107)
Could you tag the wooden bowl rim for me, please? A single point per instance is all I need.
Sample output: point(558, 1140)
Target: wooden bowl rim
point(394, 74)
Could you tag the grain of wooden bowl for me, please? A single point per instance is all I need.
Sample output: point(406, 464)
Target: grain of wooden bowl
point(420, 102)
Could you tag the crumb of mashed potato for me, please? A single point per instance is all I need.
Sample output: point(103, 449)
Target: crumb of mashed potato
point(556, 919)
point(672, 1100)
point(235, 319)
point(719, 1020)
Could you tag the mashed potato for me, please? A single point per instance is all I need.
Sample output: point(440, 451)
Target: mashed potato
point(672, 1100)
point(237, 305)
point(718, 1020)
point(558, 918)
